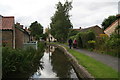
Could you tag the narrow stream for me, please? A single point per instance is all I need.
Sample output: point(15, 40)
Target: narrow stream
point(54, 65)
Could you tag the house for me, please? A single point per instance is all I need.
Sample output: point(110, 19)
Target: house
point(96, 29)
point(112, 28)
point(12, 35)
point(50, 38)
point(21, 35)
point(7, 31)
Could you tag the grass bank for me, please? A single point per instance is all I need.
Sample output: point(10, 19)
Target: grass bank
point(94, 67)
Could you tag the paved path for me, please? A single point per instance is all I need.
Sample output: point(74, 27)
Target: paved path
point(106, 59)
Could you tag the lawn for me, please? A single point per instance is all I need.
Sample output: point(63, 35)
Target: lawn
point(96, 68)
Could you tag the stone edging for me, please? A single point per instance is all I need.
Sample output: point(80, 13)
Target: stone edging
point(80, 70)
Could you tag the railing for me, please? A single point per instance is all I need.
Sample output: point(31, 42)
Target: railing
point(32, 44)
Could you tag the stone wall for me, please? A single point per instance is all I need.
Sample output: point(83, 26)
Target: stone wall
point(82, 73)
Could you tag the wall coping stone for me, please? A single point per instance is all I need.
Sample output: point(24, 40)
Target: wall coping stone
point(79, 69)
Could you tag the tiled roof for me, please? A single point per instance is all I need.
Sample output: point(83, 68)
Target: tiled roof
point(76, 29)
point(85, 29)
point(20, 27)
point(6, 22)
point(111, 25)
point(96, 29)
point(116, 21)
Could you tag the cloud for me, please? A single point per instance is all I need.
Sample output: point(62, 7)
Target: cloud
point(85, 13)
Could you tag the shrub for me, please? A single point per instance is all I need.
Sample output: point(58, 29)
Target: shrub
point(103, 35)
point(113, 44)
point(84, 37)
point(91, 44)
point(73, 37)
point(20, 61)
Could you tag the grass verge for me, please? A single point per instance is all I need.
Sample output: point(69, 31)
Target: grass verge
point(94, 67)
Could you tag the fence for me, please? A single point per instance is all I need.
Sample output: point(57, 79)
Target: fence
point(32, 44)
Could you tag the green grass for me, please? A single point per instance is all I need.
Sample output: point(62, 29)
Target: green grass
point(96, 68)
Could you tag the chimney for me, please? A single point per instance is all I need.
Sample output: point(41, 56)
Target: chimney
point(21, 26)
point(17, 23)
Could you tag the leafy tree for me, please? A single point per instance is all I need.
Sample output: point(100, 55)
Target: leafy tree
point(61, 24)
point(108, 21)
point(72, 33)
point(45, 35)
point(36, 30)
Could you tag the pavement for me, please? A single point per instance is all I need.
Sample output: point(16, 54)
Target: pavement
point(104, 58)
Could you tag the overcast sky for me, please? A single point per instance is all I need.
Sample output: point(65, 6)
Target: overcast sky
point(85, 13)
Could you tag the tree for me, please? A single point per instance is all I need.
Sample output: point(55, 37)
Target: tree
point(72, 33)
point(36, 30)
point(108, 21)
point(61, 24)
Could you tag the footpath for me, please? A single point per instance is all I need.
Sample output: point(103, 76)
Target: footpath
point(106, 59)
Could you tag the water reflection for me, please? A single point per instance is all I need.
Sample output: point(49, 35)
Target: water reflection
point(60, 64)
point(55, 65)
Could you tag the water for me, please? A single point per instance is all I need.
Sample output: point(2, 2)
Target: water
point(54, 65)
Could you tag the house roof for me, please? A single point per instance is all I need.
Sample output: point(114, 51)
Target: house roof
point(20, 27)
point(111, 25)
point(118, 16)
point(6, 22)
point(76, 29)
point(97, 30)
point(83, 30)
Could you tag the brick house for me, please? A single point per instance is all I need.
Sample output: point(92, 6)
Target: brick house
point(21, 35)
point(12, 35)
point(7, 31)
point(112, 28)
point(96, 29)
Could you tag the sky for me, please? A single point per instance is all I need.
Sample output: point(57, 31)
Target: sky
point(85, 13)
